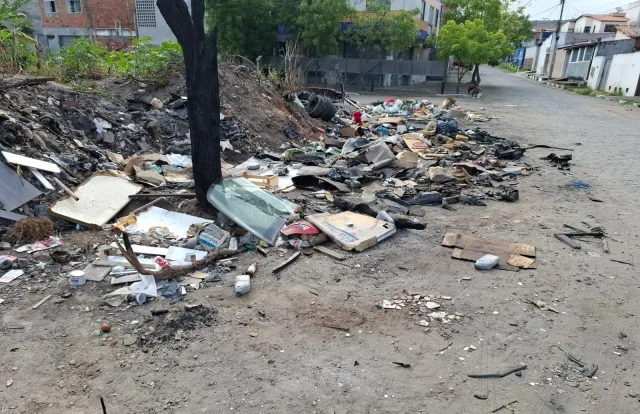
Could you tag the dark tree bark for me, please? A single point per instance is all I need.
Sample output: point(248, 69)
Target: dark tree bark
point(475, 78)
point(200, 52)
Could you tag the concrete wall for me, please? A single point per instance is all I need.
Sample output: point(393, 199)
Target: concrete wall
point(597, 69)
point(34, 14)
point(624, 73)
point(616, 47)
point(560, 64)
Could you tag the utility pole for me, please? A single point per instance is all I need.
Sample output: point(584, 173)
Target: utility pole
point(555, 43)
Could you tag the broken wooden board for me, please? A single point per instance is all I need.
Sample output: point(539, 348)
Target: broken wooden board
point(391, 120)
point(474, 255)
point(522, 262)
point(574, 244)
point(286, 263)
point(101, 198)
point(415, 144)
point(148, 250)
point(487, 245)
point(16, 159)
point(330, 253)
point(353, 231)
point(96, 273)
point(125, 279)
point(14, 190)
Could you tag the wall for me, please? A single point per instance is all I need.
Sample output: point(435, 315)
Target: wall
point(542, 57)
point(34, 14)
point(597, 67)
point(633, 12)
point(624, 73)
point(559, 66)
point(616, 47)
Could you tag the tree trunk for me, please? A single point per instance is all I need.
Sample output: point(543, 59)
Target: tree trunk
point(200, 52)
point(459, 80)
point(476, 75)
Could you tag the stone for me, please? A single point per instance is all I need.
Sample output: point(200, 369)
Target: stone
point(128, 340)
point(633, 394)
point(432, 305)
point(108, 137)
point(5, 246)
point(157, 103)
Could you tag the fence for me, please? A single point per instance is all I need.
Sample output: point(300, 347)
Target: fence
point(376, 72)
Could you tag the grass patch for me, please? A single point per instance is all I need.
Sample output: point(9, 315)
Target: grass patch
point(509, 67)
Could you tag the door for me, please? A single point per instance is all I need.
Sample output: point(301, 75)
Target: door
point(605, 75)
point(638, 88)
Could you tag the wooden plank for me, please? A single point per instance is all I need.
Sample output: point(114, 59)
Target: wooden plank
point(37, 305)
point(488, 245)
point(286, 262)
point(574, 244)
point(522, 262)
point(473, 255)
point(30, 162)
point(330, 253)
point(125, 279)
point(41, 178)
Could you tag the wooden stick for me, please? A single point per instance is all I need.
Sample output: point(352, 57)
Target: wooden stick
point(32, 81)
point(605, 245)
point(146, 206)
point(156, 195)
point(65, 188)
point(286, 262)
point(37, 305)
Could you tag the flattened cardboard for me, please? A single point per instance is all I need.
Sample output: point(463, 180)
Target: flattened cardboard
point(101, 198)
point(364, 232)
point(487, 245)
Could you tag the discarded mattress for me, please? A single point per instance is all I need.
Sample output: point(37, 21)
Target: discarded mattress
point(100, 198)
point(259, 212)
point(353, 231)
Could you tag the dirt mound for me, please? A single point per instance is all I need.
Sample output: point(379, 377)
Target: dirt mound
point(173, 328)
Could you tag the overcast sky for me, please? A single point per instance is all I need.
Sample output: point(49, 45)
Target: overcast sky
point(541, 9)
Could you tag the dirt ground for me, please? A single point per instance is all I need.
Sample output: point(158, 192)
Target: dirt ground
point(209, 360)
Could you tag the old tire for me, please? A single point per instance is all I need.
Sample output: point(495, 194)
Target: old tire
point(330, 110)
point(315, 106)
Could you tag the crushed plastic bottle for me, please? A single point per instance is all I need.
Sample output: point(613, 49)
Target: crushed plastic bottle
point(243, 284)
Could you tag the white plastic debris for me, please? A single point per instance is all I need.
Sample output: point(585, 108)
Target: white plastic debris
point(243, 284)
point(487, 262)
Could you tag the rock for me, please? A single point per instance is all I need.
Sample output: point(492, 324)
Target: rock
point(432, 305)
point(177, 104)
point(26, 111)
point(153, 128)
point(9, 382)
point(632, 394)
point(105, 327)
point(128, 340)
point(108, 137)
point(5, 246)
point(157, 103)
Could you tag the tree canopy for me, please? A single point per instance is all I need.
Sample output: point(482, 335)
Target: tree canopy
point(471, 43)
point(249, 27)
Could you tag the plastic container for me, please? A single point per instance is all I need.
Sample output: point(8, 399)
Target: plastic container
point(77, 279)
point(138, 298)
point(243, 284)
point(487, 262)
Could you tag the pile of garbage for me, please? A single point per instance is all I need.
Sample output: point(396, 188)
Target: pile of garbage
point(124, 171)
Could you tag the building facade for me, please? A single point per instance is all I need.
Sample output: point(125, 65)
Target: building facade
point(112, 22)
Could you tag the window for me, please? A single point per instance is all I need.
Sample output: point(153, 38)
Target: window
point(50, 6)
point(383, 4)
point(574, 55)
point(587, 29)
point(581, 54)
point(610, 28)
point(431, 14)
point(74, 6)
point(146, 13)
point(424, 10)
point(437, 20)
point(588, 54)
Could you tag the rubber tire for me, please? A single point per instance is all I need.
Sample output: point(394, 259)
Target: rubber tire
point(315, 106)
point(330, 110)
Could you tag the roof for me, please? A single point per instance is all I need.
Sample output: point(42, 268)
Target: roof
point(628, 31)
point(578, 45)
point(607, 18)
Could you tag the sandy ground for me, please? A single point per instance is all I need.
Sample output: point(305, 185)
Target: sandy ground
point(207, 361)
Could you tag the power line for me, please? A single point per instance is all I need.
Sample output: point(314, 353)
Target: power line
point(550, 14)
point(544, 11)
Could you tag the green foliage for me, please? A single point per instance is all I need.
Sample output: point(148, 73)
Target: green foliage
point(319, 23)
point(510, 67)
point(84, 59)
point(246, 27)
point(16, 46)
point(152, 64)
point(496, 15)
point(471, 43)
point(385, 30)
